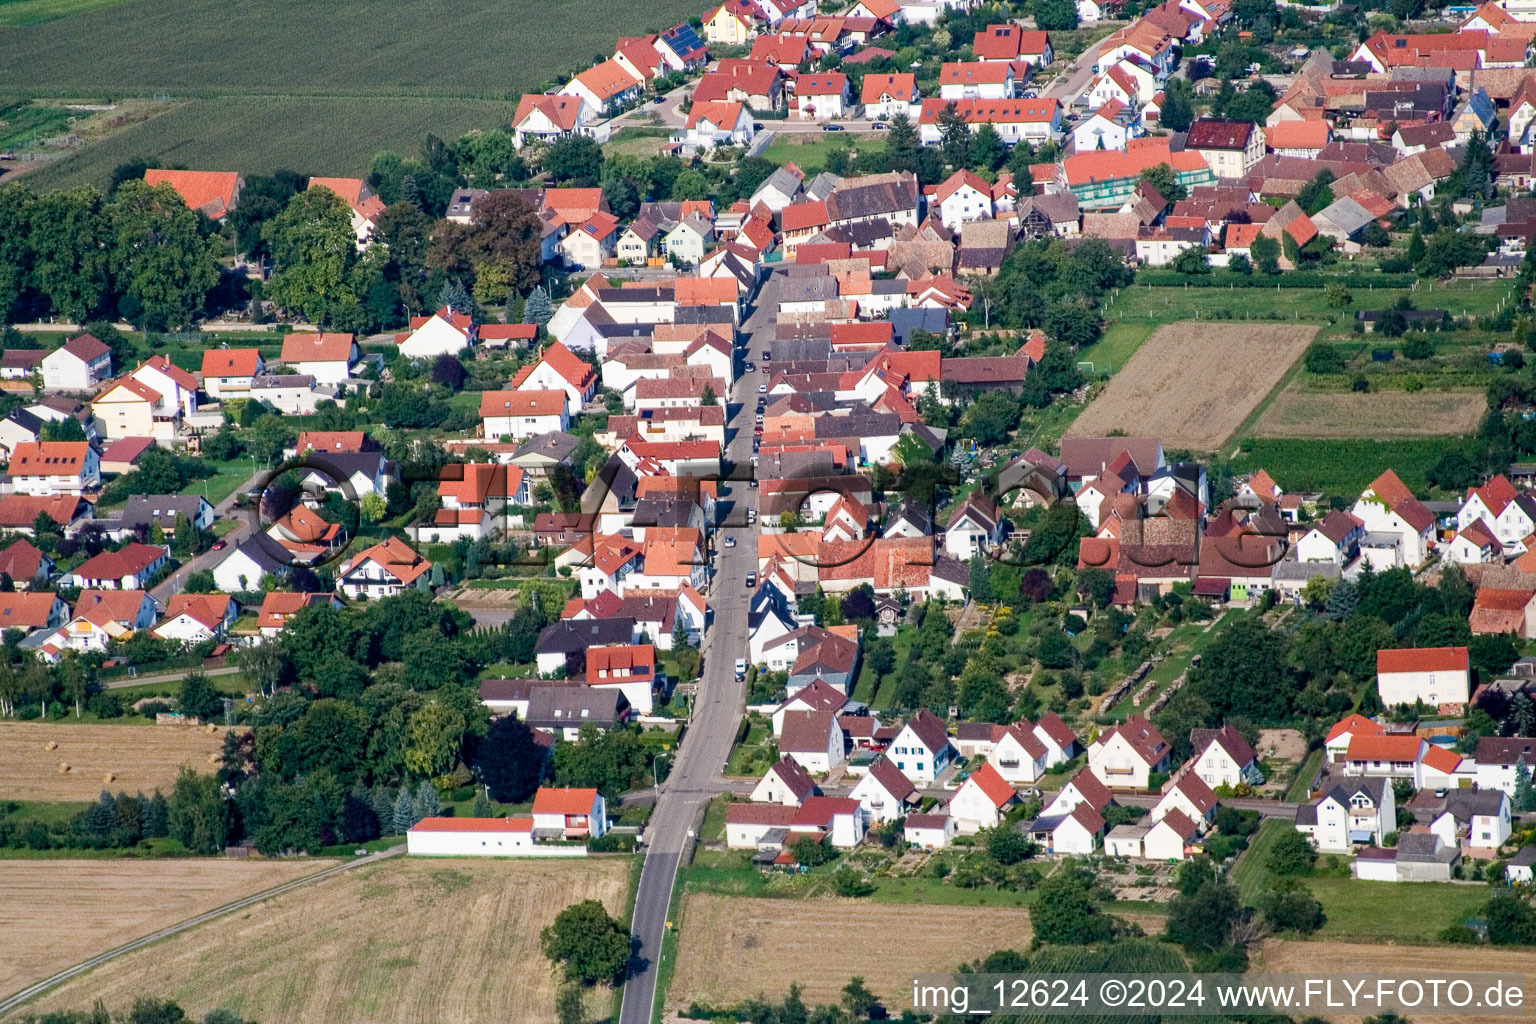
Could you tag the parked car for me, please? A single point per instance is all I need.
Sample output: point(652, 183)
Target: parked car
point(751, 581)
point(879, 126)
point(832, 128)
point(741, 666)
point(750, 367)
point(762, 389)
point(220, 545)
point(730, 541)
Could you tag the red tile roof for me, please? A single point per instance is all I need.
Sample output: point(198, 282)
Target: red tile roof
point(213, 192)
point(317, 348)
point(565, 800)
point(1396, 747)
point(1355, 725)
point(130, 559)
point(230, 362)
point(1422, 659)
point(992, 785)
point(474, 825)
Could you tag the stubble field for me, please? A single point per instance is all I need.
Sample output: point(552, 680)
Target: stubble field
point(1281, 957)
point(733, 948)
point(403, 942)
point(1194, 384)
point(1304, 414)
point(54, 913)
point(140, 758)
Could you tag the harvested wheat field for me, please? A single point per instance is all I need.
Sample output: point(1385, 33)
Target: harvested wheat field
point(1422, 962)
point(733, 947)
point(405, 941)
point(54, 913)
point(138, 757)
point(1193, 384)
point(1372, 414)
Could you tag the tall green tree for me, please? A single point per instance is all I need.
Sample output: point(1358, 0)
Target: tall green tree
point(161, 264)
point(954, 136)
point(313, 249)
point(71, 251)
point(198, 813)
point(586, 943)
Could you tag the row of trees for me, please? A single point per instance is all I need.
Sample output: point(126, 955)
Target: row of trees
point(77, 254)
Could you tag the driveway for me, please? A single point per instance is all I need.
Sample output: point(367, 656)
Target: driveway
point(208, 559)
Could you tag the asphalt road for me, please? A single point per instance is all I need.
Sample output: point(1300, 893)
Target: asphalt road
point(721, 700)
point(208, 559)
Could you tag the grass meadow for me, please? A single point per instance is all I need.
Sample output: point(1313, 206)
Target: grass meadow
point(315, 88)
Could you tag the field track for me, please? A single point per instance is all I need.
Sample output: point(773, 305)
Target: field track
point(55, 913)
point(401, 942)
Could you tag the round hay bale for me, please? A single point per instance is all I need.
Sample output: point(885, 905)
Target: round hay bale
point(50, 745)
point(211, 729)
point(63, 768)
point(108, 776)
point(213, 758)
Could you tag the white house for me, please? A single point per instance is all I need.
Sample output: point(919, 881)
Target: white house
point(569, 813)
point(963, 196)
point(193, 618)
point(1518, 871)
point(130, 567)
point(1126, 755)
point(328, 358)
point(1343, 732)
point(228, 372)
point(1018, 755)
point(46, 469)
point(714, 123)
point(838, 817)
point(981, 800)
point(934, 831)
point(976, 80)
point(1438, 676)
point(1169, 837)
point(973, 529)
point(242, 568)
point(1223, 758)
point(819, 696)
point(1059, 739)
point(559, 369)
point(1475, 818)
point(523, 414)
point(1187, 795)
point(443, 333)
point(1388, 507)
point(884, 792)
point(1334, 538)
point(383, 570)
point(474, 837)
point(1497, 761)
point(748, 825)
point(886, 95)
point(78, 365)
point(813, 739)
point(921, 749)
point(1076, 831)
point(101, 617)
point(785, 782)
point(1473, 545)
point(1353, 812)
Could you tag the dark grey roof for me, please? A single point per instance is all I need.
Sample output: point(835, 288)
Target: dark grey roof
point(1375, 788)
point(1465, 804)
point(705, 315)
point(1424, 848)
point(146, 509)
point(951, 570)
point(1525, 858)
point(1306, 814)
point(905, 321)
point(556, 445)
point(556, 707)
point(664, 512)
point(257, 550)
point(807, 289)
point(571, 635)
point(26, 421)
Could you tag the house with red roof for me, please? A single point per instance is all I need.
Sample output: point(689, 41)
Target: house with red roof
point(1125, 755)
point(1188, 794)
point(277, 607)
point(522, 414)
point(1438, 676)
point(1334, 538)
point(214, 194)
point(976, 80)
point(733, 23)
point(130, 567)
point(886, 95)
point(46, 469)
point(78, 365)
point(478, 837)
point(1388, 507)
point(785, 783)
point(383, 570)
point(445, 332)
point(229, 371)
point(963, 196)
point(1391, 754)
point(820, 96)
point(1012, 42)
point(1474, 545)
point(605, 87)
point(547, 118)
point(191, 619)
point(1344, 731)
point(100, 618)
point(1505, 609)
point(1073, 822)
point(1222, 757)
point(559, 369)
point(713, 123)
point(838, 818)
point(981, 800)
point(569, 813)
point(590, 242)
point(26, 565)
point(327, 357)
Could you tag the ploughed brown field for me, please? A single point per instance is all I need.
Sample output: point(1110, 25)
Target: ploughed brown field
point(139, 757)
point(1375, 414)
point(402, 942)
point(1193, 384)
point(1421, 962)
point(733, 948)
point(54, 913)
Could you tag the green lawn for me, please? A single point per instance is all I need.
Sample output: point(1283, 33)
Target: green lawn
point(1298, 789)
point(1251, 872)
point(1342, 467)
point(23, 124)
point(224, 482)
point(1119, 343)
point(1405, 912)
point(809, 150)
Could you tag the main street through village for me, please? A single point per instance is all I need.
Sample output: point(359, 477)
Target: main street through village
point(721, 699)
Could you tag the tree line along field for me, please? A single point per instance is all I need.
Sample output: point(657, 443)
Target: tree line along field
point(276, 83)
point(54, 913)
point(400, 942)
point(139, 758)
